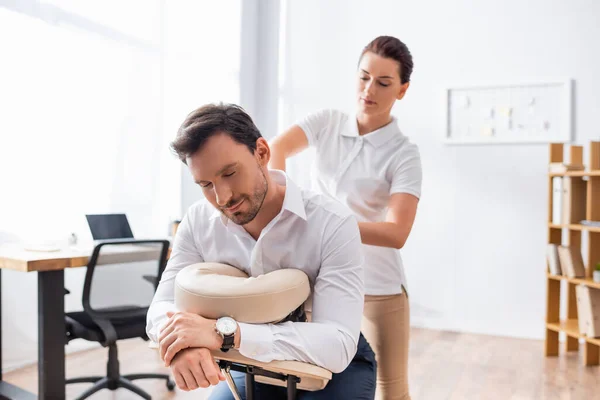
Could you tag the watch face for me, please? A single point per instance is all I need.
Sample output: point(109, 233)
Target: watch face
point(226, 325)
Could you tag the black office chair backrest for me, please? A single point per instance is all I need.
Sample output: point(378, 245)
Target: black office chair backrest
point(122, 276)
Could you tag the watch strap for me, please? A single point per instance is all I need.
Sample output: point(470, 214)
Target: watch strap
point(228, 342)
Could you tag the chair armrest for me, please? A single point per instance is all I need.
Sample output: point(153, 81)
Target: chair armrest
point(312, 377)
point(151, 278)
point(110, 334)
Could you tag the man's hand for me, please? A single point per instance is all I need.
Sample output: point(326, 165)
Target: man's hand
point(184, 330)
point(194, 368)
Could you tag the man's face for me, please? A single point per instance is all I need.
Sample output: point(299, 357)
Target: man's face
point(232, 178)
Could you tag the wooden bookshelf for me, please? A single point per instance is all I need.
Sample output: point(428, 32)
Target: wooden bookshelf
point(576, 173)
point(575, 227)
point(584, 203)
point(577, 281)
point(569, 326)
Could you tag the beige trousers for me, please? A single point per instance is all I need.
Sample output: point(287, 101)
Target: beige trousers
point(386, 326)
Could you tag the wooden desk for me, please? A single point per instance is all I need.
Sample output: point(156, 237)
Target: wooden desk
point(50, 268)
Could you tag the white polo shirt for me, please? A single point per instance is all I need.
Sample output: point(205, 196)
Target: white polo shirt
point(363, 172)
point(313, 233)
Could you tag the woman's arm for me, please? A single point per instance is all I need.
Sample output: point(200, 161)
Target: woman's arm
point(402, 209)
point(285, 145)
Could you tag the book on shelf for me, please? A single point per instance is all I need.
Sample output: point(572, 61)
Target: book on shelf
point(557, 199)
point(574, 200)
point(553, 260)
point(559, 167)
point(594, 224)
point(583, 307)
point(571, 261)
point(588, 310)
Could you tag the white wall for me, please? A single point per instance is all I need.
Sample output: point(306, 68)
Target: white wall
point(475, 259)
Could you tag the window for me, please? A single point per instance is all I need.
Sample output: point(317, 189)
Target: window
point(92, 94)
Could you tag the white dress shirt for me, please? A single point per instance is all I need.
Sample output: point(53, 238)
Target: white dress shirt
point(363, 172)
point(313, 233)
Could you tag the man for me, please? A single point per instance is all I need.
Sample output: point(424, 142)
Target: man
point(259, 221)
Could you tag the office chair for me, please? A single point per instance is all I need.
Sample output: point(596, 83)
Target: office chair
point(109, 316)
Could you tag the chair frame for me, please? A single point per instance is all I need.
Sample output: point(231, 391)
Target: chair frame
point(298, 315)
point(252, 371)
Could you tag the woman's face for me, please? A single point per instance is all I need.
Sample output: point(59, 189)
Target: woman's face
point(379, 84)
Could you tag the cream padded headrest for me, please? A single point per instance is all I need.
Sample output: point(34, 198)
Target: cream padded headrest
point(214, 290)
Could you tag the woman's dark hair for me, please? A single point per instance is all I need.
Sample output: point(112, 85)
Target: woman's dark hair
point(391, 47)
point(212, 119)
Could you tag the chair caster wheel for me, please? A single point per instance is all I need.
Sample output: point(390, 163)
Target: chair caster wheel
point(170, 385)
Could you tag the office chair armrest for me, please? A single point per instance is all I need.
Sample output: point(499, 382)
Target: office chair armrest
point(110, 334)
point(151, 278)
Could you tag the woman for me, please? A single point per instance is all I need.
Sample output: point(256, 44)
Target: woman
point(368, 164)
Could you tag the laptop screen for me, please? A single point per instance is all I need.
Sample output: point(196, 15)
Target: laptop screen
point(109, 226)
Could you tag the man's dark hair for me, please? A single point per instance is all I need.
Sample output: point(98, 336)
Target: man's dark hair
point(391, 47)
point(212, 119)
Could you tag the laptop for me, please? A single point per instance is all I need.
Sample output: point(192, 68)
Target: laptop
point(109, 226)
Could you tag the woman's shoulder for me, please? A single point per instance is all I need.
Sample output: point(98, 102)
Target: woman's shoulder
point(329, 115)
point(409, 147)
point(404, 153)
point(405, 145)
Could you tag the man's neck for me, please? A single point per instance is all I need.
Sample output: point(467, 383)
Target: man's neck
point(270, 208)
point(368, 124)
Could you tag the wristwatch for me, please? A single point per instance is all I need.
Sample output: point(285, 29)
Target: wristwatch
point(226, 327)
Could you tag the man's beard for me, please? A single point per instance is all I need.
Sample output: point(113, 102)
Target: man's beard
point(255, 202)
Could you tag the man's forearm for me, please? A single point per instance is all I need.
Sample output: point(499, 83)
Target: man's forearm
point(317, 343)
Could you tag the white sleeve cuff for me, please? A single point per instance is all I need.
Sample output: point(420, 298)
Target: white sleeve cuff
point(157, 318)
point(256, 342)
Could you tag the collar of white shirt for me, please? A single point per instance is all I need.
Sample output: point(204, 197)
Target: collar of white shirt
point(292, 201)
point(378, 137)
